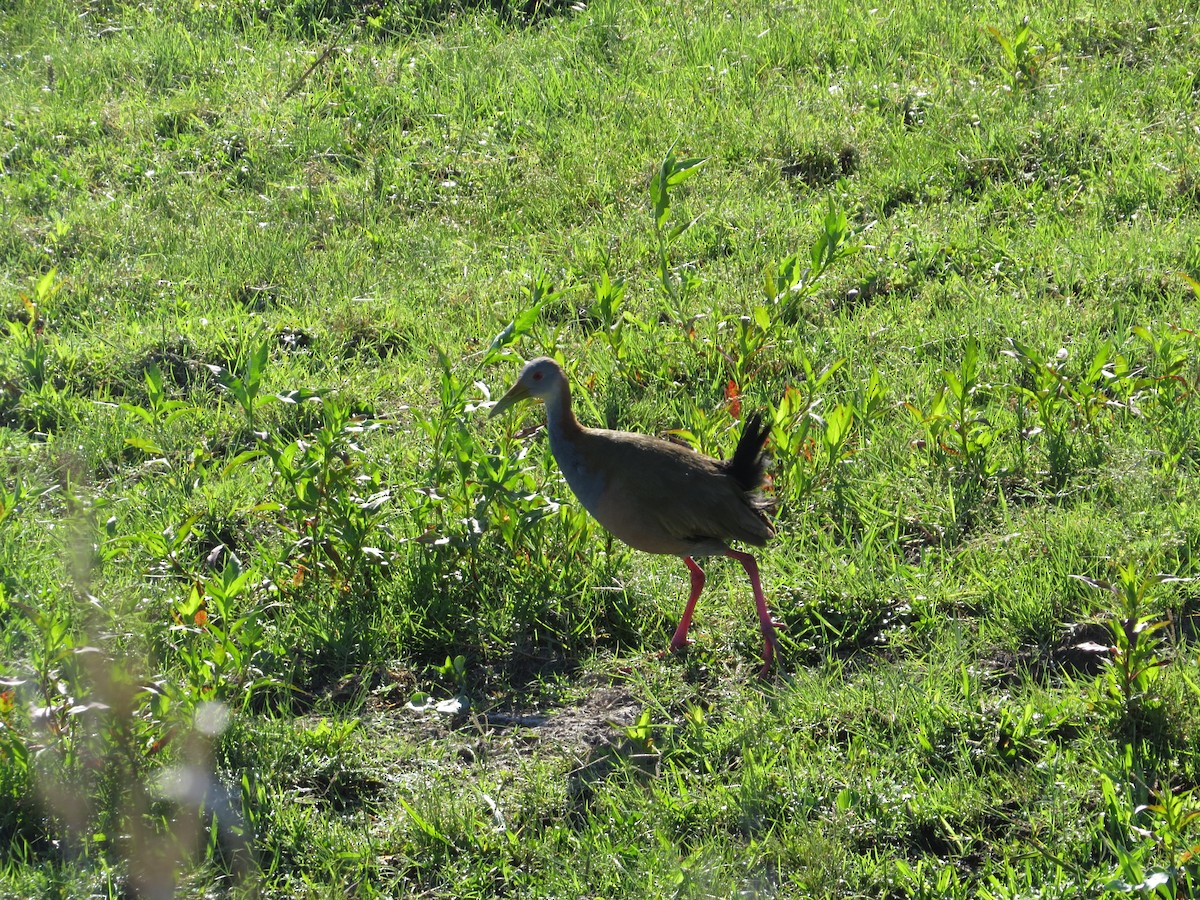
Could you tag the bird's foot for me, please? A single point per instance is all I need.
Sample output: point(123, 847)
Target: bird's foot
point(768, 657)
point(769, 626)
point(770, 645)
point(678, 644)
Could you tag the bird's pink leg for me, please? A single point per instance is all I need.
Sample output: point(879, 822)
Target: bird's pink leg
point(766, 623)
point(681, 639)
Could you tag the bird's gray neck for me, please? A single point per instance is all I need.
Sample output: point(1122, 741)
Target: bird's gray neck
point(560, 417)
point(568, 444)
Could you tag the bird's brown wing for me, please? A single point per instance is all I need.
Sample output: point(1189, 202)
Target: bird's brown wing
point(664, 498)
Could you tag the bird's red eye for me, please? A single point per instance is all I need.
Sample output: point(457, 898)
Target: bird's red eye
point(537, 376)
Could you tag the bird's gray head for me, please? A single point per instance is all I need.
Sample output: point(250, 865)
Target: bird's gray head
point(540, 379)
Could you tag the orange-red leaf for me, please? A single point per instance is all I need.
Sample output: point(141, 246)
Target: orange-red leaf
point(733, 398)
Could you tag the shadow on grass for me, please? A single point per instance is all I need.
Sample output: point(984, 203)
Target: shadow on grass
point(313, 17)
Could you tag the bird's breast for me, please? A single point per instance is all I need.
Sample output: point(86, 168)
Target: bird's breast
point(587, 481)
point(617, 487)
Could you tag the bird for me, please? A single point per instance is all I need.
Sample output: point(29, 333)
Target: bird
point(658, 496)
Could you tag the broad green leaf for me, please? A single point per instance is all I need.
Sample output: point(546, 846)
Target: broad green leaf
point(138, 411)
point(45, 285)
point(145, 445)
point(685, 169)
point(1195, 285)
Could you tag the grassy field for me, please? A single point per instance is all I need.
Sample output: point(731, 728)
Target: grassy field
point(282, 613)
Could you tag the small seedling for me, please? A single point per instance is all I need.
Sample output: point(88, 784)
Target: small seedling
point(455, 668)
point(958, 433)
point(642, 733)
point(219, 635)
point(835, 437)
point(538, 292)
point(163, 412)
point(29, 333)
point(245, 387)
point(677, 282)
point(606, 310)
point(423, 701)
point(1173, 384)
point(1134, 662)
point(1065, 410)
point(12, 499)
point(335, 494)
point(1025, 58)
point(1154, 842)
point(754, 332)
point(973, 430)
point(789, 283)
point(796, 428)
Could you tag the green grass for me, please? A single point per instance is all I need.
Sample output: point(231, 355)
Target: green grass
point(251, 506)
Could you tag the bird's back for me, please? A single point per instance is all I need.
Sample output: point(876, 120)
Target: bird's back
point(663, 498)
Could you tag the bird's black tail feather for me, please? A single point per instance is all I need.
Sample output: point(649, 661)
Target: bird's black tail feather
point(746, 465)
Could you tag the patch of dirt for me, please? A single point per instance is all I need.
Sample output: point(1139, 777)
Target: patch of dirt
point(820, 166)
point(592, 723)
point(256, 297)
point(1082, 651)
point(362, 337)
point(179, 362)
point(587, 736)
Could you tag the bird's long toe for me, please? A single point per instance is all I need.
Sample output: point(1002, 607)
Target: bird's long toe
point(770, 645)
point(768, 658)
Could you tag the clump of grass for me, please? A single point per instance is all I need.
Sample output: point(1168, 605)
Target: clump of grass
point(257, 300)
